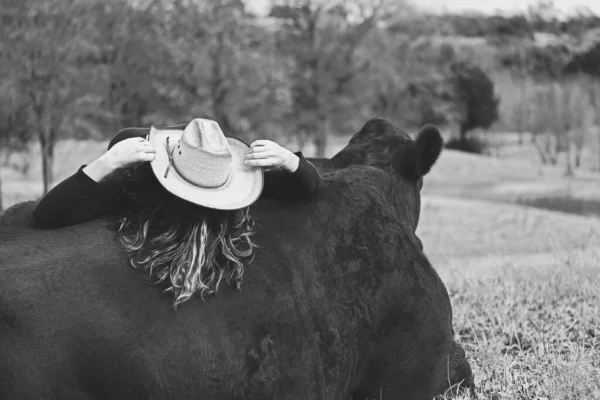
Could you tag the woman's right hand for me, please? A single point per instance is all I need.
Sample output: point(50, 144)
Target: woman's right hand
point(123, 154)
point(129, 152)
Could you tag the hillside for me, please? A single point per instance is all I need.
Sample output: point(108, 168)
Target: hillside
point(486, 177)
point(459, 230)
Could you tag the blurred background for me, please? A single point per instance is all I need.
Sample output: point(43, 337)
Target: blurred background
point(516, 84)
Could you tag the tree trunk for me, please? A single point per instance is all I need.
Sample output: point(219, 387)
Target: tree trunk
point(540, 150)
point(1, 204)
point(552, 151)
point(568, 164)
point(47, 151)
point(523, 75)
point(321, 137)
point(320, 144)
point(598, 149)
point(463, 133)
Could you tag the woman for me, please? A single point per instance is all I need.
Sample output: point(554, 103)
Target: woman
point(183, 196)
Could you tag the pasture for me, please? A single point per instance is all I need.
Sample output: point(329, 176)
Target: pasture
point(524, 282)
point(524, 290)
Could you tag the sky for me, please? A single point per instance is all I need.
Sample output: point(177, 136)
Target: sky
point(484, 6)
point(490, 6)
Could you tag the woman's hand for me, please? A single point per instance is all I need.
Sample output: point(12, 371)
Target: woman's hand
point(129, 152)
point(125, 153)
point(268, 154)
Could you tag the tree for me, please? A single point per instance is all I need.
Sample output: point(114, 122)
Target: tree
point(584, 65)
point(14, 125)
point(133, 57)
point(473, 92)
point(558, 116)
point(41, 40)
point(322, 40)
point(407, 82)
point(225, 66)
point(513, 56)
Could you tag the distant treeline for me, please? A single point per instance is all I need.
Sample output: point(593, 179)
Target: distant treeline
point(516, 26)
point(312, 68)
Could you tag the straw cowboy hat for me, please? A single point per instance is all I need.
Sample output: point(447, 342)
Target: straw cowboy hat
point(202, 166)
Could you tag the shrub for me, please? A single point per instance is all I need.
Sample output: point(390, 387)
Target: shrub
point(473, 145)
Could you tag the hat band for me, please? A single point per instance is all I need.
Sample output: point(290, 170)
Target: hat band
point(182, 176)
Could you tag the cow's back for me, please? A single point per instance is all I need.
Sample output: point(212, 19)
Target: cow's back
point(333, 277)
point(97, 327)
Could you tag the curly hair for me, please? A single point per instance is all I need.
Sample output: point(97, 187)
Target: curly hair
point(190, 248)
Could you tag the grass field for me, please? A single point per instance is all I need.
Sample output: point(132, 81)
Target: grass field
point(530, 331)
point(524, 282)
point(525, 291)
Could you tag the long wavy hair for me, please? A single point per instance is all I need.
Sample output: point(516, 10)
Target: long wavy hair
point(190, 249)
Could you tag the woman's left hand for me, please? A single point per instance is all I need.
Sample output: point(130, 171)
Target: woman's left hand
point(268, 154)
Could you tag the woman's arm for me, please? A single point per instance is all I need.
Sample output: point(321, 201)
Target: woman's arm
point(86, 194)
point(288, 175)
point(77, 199)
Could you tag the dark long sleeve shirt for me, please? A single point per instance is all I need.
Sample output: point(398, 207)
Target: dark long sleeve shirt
point(79, 198)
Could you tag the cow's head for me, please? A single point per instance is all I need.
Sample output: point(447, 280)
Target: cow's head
point(382, 145)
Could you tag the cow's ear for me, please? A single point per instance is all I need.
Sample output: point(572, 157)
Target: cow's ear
point(416, 161)
point(428, 147)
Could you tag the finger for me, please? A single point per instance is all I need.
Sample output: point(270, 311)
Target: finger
point(255, 157)
point(262, 151)
point(260, 142)
point(259, 147)
point(133, 140)
point(145, 149)
point(147, 157)
point(259, 154)
point(258, 163)
point(148, 147)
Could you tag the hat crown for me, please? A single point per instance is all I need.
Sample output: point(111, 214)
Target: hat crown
point(202, 156)
point(205, 136)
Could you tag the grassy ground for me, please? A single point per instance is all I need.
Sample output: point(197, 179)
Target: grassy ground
point(531, 332)
point(525, 291)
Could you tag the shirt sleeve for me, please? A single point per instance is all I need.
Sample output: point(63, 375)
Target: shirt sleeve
point(78, 199)
point(300, 184)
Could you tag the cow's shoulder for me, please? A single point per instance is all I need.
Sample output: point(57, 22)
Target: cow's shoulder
point(17, 217)
point(357, 186)
point(19, 234)
point(344, 195)
point(352, 214)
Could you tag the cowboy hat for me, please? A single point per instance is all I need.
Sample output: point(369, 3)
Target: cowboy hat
point(199, 164)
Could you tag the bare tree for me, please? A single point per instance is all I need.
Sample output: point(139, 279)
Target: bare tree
point(580, 114)
point(542, 123)
point(593, 90)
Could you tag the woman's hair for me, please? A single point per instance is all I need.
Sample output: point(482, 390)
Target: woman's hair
point(189, 248)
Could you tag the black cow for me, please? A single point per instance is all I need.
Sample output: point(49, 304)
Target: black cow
point(339, 303)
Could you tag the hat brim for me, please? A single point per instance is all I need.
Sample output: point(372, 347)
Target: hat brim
point(243, 188)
